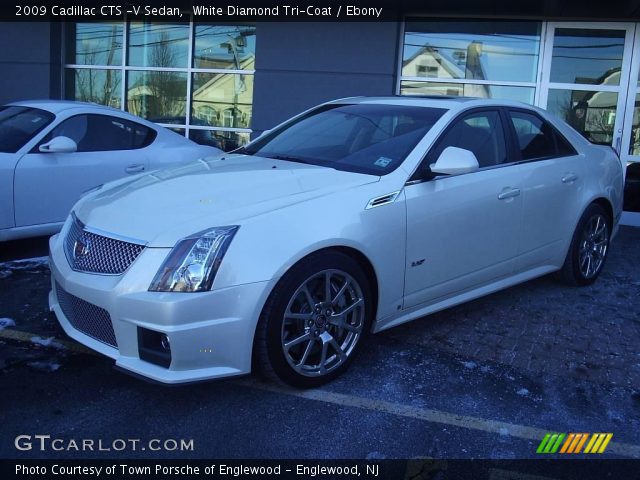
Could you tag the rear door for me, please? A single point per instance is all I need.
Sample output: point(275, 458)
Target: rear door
point(463, 230)
point(553, 177)
point(48, 184)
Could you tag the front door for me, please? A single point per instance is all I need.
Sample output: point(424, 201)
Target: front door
point(463, 230)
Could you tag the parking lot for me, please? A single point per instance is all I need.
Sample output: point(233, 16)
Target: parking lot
point(486, 379)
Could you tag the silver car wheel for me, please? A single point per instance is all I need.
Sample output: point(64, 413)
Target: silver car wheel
point(593, 246)
point(323, 322)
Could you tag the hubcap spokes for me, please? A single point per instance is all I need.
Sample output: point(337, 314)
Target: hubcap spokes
point(593, 246)
point(323, 322)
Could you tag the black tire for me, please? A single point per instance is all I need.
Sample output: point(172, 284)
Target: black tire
point(573, 270)
point(269, 357)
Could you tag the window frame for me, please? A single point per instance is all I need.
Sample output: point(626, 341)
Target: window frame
point(516, 142)
point(69, 67)
point(150, 138)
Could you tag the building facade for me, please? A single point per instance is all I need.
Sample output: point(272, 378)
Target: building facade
point(222, 83)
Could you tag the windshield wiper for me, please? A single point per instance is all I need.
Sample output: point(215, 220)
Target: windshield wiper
point(289, 159)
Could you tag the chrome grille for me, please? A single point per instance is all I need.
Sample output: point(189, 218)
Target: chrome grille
point(89, 252)
point(86, 317)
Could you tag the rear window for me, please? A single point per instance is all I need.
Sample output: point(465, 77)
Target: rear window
point(537, 139)
point(18, 125)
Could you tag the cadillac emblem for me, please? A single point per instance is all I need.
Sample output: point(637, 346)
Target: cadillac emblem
point(81, 248)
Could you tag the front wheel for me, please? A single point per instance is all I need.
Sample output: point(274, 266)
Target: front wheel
point(313, 323)
point(589, 247)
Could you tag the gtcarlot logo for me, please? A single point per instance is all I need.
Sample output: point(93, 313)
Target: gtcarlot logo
point(45, 443)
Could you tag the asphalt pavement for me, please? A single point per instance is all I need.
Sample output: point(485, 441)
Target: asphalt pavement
point(486, 379)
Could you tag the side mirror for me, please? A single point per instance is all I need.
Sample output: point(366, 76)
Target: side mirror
point(59, 145)
point(454, 161)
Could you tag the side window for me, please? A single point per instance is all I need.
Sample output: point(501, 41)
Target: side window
point(537, 139)
point(480, 132)
point(98, 133)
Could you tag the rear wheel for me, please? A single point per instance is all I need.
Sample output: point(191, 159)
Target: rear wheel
point(589, 247)
point(314, 321)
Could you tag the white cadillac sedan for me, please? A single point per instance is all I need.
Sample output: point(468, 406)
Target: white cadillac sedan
point(353, 217)
point(53, 151)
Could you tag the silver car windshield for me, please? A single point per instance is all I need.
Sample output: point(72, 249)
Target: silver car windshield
point(363, 138)
point(18, 125)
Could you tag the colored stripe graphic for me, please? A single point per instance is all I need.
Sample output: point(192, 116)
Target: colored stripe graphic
point(573, 443)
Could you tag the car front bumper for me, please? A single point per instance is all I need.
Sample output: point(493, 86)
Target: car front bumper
point(210, 333)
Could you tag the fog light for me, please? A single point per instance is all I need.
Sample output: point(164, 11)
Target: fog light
point(154, 347)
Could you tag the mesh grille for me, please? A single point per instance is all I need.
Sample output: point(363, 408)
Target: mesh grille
point(90, 252)
point(86, 317)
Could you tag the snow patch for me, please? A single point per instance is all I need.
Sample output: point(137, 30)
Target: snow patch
point(46, 342)
point(34, 260)
point(6, 322)
point(44, 366)
point(523, 392)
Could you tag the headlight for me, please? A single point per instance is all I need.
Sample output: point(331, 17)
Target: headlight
point(192, 264)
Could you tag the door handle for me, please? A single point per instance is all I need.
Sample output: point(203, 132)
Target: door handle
point(508, 193)
point(569, 178)
point(135, 168)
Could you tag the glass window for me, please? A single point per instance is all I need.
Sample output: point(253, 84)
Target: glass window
point(94, 43)
point(484, 50)
point(150, 78)
point(593, 114)
point(480, 133)
point(536, 138)
point(158, 45)
point(222, 99)
point(18, 125)
point(96, 133)
point(159, 96)
point(520, 94)
point(224, 47)
point(632, 188)
point(362, 138)
point(94, 85)
point(591, 56)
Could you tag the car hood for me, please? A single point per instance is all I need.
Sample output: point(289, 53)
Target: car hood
point(163, 206)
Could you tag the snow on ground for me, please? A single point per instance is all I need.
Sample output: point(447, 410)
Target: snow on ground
point(47, 342)
point(44, 366)
point(6, 322)
point(26, 264)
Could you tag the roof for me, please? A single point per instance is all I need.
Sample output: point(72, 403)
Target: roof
point(436, 101)
point(57, 106)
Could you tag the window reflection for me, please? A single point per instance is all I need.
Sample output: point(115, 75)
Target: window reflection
point(634, 144)
point(224, 46)
point(159, 96)
point(591, 113)
point(223, 140)
point(520, 94)
point(158, 45)
point(94, 85)
point(587, 56)
point(497, 51)
point(222, 99)
point(94, 43)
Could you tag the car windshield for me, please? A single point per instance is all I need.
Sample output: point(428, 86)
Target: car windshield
point(363, 138)
point(19, 124)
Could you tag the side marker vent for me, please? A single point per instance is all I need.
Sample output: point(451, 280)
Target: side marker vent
point(382, 200)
